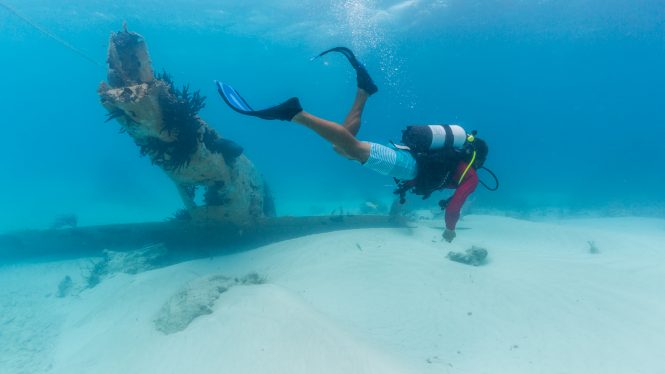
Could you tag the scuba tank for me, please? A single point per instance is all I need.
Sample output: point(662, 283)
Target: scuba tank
point(438, 149)
point(427, 138)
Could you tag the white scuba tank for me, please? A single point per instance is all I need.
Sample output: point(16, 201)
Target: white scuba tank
point(423, 138)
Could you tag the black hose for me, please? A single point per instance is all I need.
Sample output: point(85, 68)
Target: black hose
point(495, 179)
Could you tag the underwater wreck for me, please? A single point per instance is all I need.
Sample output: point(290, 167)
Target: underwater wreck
point(163, 121)
point(237, 209)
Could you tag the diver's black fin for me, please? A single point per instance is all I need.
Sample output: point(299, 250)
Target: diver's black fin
point(284, 111)
point(365, 82)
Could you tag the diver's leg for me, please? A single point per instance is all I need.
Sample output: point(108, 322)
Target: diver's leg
point(362, 76)
point(352, 120)
point(384, 160)
point(339, 136)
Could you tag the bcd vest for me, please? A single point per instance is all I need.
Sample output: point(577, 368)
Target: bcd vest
point(438, 150)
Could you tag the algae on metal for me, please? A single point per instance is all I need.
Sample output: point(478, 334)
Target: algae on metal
point(164, 122)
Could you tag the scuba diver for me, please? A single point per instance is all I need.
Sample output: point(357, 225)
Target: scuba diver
point(430, 158)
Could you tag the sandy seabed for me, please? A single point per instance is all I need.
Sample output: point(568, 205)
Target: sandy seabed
point(360, 301)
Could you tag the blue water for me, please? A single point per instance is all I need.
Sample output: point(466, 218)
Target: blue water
point(569, 96)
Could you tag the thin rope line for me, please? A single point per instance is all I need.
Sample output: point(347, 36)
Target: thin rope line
point(50, 35)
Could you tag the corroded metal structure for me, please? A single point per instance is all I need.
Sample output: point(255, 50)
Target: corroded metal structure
point(164, 123)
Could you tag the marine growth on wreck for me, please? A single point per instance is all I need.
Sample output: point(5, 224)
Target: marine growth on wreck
point(163, 120)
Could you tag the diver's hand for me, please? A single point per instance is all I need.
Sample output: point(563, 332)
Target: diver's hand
point(449, 235)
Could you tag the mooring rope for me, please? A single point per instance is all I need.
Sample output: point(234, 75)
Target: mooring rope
point(50, 34)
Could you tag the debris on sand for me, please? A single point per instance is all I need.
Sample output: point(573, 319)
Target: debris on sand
point(475, 256)
point(592, 247)
point(129, 262)
point(196, 299)
point(65, 286)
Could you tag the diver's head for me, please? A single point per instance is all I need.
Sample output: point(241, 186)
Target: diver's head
point(481, 148)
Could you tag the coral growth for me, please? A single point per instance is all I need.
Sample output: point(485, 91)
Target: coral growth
point(128, 60)
point(181, 215)
point(130, 262)
point(196, 299)
point(163, 120)
point(230, 150)
point(180, 110)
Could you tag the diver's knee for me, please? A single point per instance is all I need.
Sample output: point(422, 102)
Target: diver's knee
point(358, 151)
point(361, 151)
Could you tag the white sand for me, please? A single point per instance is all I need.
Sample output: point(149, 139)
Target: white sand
point(366, 301)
